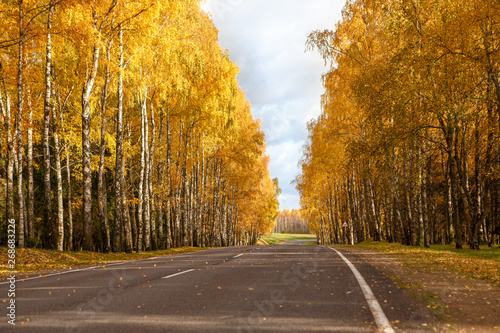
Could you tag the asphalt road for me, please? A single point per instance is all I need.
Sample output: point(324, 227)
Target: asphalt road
point(240, 289)
point(298, 242)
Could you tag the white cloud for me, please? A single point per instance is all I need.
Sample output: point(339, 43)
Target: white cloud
point(289, 201)
point(266, 39)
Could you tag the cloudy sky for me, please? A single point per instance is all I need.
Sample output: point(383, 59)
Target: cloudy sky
point(266, 39)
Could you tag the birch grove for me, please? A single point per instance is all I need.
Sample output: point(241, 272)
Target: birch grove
point(407, 147)
point(123, 129)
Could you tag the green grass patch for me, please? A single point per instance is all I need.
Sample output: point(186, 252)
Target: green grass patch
point(482, 264)
point(35, 259)
point(273, 239)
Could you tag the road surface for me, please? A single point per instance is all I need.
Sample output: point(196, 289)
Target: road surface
point(277, 288)
point(298, 242)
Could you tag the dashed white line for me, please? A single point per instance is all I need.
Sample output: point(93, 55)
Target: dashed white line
point(176, 274)
point(117, 264)
point(239, 255)
point(378, 313)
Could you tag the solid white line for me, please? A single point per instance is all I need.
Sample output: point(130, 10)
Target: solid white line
point(170, 276)
point(378, 313)
point(239, 255)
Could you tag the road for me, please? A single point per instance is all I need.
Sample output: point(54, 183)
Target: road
point(277, 288)
point(298, 242)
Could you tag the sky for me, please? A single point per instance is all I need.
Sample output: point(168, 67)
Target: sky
point(266, 39)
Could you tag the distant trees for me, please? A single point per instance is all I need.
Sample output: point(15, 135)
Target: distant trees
point(290, 222)
point(408, 146)
point(124, 129)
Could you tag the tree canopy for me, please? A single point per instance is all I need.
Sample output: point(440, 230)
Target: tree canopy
point(407, 146)
point(124, 129)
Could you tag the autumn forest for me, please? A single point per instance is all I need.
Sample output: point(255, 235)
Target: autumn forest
point(123, 129)
point(407, 148)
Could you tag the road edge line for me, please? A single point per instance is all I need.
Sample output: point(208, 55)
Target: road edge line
point(379, 315)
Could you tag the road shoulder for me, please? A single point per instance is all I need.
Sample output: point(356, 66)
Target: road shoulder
point(460, 304)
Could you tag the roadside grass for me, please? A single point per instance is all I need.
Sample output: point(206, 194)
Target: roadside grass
point(274, 239)
point(482, 264)
point(417, 289)
point(36, 259)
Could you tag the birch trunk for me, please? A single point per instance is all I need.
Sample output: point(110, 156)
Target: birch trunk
point(140, 208)
point(185, 195)
point(119, 170)
point(170, 240)
point(101, 183)
point(145, 182)
point(20, 105)
point(87, 90)
point(453, 169)
point(203, 201)
point(57, 160)
point(9, 186)
point(70, 200)
point(479, 216)
point(127, 225)
point(47, 198)
point(152, 201)
point(31, 188)
point(425, 204)
point(158, 196)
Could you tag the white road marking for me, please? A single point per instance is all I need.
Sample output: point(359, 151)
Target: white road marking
point(173, 256)
point(54, 274)
point(117, 264)
point(279, 253)
point(378, 313)
point(239, 255)
point(176, 274)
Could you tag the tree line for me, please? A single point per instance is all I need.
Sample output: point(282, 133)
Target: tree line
point(290, 222)
point(124, 129)
point(407, 148)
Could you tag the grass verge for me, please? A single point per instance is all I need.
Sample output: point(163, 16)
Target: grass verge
point(311, 243)
point(35, 259)
point(482, 264)
point(274, 239)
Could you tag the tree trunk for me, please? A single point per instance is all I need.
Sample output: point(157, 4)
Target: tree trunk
point(140, 208)
point(101, 183)
point(87, 90)
point(10, 162)
point(47, 198)
point(127, 225)
point(158, 197)
point(119, 171)
point(168, 215)
point(57, 160)
point(20, 105)
point(425, 203)
point(151, 196)
point(479, 216)
point(31, 187)
point(70, 200)
point(453, 169)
